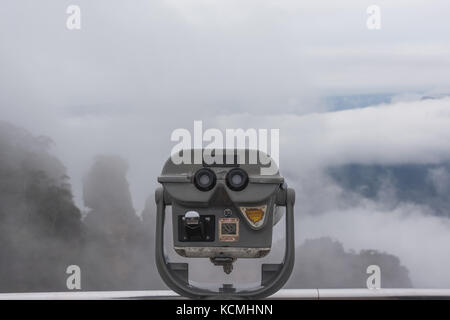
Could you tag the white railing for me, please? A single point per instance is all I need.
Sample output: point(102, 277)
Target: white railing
point(315, 294)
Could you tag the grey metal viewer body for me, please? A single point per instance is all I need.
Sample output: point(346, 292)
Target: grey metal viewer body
point(223, 211)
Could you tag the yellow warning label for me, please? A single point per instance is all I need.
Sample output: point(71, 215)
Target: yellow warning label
point(255, 215)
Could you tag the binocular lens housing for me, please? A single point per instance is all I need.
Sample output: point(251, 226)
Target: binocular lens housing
point(205, 179)
point(237, 179)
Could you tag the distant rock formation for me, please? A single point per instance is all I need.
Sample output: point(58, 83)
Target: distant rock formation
point(106, 192)
point(40, 227)
point(119, 251)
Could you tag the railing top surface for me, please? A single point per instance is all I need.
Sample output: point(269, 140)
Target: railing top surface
point(282, 294)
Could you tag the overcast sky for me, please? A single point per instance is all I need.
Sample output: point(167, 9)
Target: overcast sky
point(133, 73)
point(138, 70)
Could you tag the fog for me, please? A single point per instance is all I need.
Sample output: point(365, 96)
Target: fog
point(108, 97)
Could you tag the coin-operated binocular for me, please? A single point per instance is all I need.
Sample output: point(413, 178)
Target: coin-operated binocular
point(223, 210)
